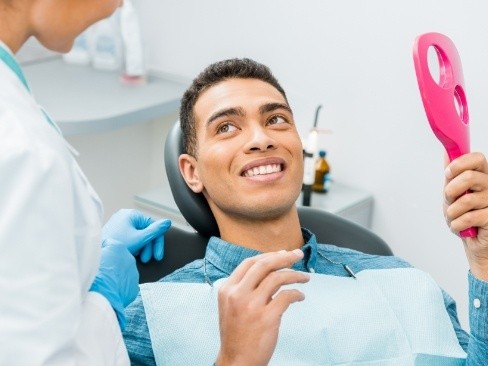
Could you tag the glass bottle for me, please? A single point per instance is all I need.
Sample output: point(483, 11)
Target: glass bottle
point(322, 170)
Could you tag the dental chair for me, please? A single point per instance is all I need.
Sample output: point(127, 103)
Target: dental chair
point(183, 246)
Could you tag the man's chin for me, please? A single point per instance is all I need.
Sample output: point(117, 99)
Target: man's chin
point(266, 212)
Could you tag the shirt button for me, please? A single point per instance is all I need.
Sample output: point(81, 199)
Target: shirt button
point(476, 303)
point(311, 270)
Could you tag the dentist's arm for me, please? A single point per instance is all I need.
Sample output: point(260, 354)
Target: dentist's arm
point(117, 279)
point(251, 306)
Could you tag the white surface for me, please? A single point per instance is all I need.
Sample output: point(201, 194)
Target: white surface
point(84, 100)
point(355, 58)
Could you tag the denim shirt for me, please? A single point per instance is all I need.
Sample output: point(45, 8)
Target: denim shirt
point(221, 258)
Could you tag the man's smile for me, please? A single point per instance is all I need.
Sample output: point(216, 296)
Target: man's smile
point(263, 169)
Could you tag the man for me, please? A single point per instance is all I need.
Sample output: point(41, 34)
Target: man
point(243, 153)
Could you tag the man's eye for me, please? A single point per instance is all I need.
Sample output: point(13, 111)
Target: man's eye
point(275, 120)
point(225, 127)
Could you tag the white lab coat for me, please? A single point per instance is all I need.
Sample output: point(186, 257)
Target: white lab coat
point(50, 219)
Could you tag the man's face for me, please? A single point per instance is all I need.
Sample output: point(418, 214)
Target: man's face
point(249, 161)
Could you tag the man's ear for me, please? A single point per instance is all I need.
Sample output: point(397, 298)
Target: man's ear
point(189, 171)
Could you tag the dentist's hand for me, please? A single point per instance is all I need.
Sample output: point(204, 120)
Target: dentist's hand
point(251, 305)
point(469, 172)
point(139, 233)
point(117, 279)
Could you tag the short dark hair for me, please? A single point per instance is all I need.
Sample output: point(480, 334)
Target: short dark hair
point(236, 68)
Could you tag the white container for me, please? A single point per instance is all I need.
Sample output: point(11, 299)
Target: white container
point(107, 48)
point(80, 52)
point(134, 69)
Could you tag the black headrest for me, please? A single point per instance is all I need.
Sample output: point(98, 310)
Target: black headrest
point(194, 207)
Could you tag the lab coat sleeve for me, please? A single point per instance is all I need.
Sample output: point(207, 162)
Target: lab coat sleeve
point(107, 347)
point(47, 316)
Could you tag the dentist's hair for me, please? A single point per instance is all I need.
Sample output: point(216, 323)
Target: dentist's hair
point(237, 68)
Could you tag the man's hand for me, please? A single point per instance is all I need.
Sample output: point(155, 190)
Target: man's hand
point(469, 173)
point(251, 305)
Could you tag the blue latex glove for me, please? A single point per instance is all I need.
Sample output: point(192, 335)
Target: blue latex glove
point(139, 233)
point(117, 278)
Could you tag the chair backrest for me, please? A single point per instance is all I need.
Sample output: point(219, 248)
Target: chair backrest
point(182, 246)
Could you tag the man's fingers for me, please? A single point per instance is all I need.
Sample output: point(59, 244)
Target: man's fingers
point(284, 299)
point(242, 268)
point(253, 270)
point(467, 181)
point(469, 210)
point(275, 280)
point(465, 203)
point(267, 264)
point(475, 218)
point(473, 161)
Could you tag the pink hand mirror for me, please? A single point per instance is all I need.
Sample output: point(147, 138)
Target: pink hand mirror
point(444, 100)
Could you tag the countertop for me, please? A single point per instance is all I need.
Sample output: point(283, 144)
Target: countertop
point(81, 99)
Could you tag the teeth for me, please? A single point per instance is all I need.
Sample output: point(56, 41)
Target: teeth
point(263, 169)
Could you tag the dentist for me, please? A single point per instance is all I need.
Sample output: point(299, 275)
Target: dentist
point(64, 283)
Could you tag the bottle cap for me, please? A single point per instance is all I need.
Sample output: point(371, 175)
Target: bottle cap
point(322, 153)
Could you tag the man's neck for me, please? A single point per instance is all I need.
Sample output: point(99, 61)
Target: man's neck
point(283, 232)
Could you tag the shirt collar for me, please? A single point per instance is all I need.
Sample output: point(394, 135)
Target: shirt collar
point(9, 59)
point(227, 256)
point(6, 48)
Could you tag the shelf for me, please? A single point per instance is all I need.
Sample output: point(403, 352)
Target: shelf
point(84, 100)
point(348, 202)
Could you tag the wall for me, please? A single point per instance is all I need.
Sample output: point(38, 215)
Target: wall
point(33, 51)
point(124, 162)
point(355, 58)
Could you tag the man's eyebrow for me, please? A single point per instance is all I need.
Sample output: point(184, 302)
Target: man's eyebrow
point(270, 107)
point(234, 111)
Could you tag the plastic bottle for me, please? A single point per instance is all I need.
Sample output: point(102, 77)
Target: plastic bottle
point(107, 44)
point(322, 170)
point(80, 53)
point(134, 70)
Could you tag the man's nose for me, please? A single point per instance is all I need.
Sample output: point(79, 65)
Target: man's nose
point(260, 140)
